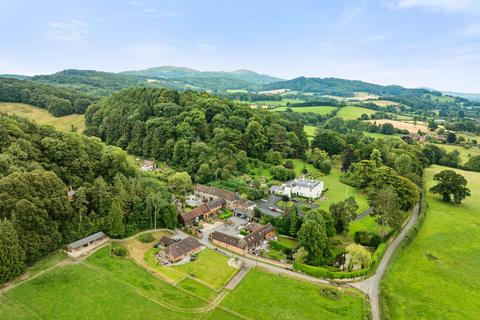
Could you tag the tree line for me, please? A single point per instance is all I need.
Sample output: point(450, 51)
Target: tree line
point(58, 187)
point(57, 100)
point(208, 137)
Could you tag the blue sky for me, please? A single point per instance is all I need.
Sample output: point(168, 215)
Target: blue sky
point(415, 43)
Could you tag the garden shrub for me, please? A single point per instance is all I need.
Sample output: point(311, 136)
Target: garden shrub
point(146, 237)
point(120, 251)
point(368, 239)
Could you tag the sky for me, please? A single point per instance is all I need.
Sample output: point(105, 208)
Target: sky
point(414, 43)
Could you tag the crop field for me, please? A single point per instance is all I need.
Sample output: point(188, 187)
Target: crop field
point(438, 276)
point(42, 116)
point(352, 113)
point(383, 103)
point(314, 109)
point(265, 296)
point(413, 128)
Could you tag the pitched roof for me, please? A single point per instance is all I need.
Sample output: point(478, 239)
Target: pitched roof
point(258, 235)
point(304, 183)
point(182, 247)
point(227, 195)
point(194, 213)
point(166, 241)
point(244, 204)
point(228, 239)
point(86, 240)
point(215, 203)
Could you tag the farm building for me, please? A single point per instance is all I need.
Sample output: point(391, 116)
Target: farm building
point(164, 242)
point(306, 188)
point(181, 249)
point(203, 211)
point(85, 245)
point(245, 244)
point(210, 193)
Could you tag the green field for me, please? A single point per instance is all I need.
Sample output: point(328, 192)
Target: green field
point(210, 267)
point(262, 295)
point(465, 154)
point(438, 275)
point(314, 109)
point(377, 135)
point(42, 116)
point(310, 131)
point(352, 113)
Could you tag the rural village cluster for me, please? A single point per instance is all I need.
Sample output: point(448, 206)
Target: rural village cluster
point(216, 215)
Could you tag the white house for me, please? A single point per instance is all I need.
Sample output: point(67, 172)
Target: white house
point(306, 188)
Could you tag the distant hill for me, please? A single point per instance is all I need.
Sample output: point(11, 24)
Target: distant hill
point(469, 96)
point(14, 76)
point(187, 73)
point(105, 83)
point(342, 87)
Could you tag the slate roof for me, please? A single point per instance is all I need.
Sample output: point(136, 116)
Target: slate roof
point(304, 183)
point(228, 239)
point(201, 210)
point(86, 240)
point(221, 193)
point(258, 235)
point(182, 247)
point(166, 241)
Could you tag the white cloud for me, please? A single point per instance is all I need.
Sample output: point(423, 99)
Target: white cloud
point(67, 31)
point(451, 6)
point(374, 38)
point(206, 48)
point(472, 31)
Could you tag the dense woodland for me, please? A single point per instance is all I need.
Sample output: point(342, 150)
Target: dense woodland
point(206, 136)
point(39, 165)
point(57, 100)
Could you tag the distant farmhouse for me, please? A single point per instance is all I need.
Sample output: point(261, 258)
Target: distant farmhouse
point(246, 244)
point(213, 201)
point(306, 188)
point(85, 245)
point(148, 165)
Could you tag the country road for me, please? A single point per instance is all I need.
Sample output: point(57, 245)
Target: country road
point(371, 285)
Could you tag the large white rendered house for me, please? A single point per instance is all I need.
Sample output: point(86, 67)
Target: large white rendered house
point(306, 188)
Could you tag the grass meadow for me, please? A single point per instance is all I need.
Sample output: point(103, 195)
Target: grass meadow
point(42, 116)
point(314, 109)
point(465, 154)
point(352, 113)
point(438, 275)
point(265, 296)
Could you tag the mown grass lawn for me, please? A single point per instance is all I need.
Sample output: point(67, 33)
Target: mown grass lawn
point(438, 275)
point(265, 296)
point(210, 267)
point(352, 113)
point(42, 116)
point(287, 242)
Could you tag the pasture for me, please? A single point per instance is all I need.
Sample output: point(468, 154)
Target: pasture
point(353, 113)
point(263, 295)
point(383, 103)
point(310, 131)
point(323, 110)
point(378, 135)
point(42, 116)
point(438, 276)
point(465, 153)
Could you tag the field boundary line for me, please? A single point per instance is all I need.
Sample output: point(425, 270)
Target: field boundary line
point(22, 306)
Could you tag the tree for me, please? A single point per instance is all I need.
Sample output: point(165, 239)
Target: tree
point(376, 156)
point(312, 236)
point(349, 157)
point(343, 213)
point(281, 173)
point(329, 141)
point(450, 184)
point(473, 163)
point(12, 255)
point(180, 183)
point(451, 137)
point(321, 161)
point(432, 125)
point(255, 140)
point(114, 224)
point(360, 256)
point(301, 255)
point(387, 128)
point(404, 164)
point(386, 207)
